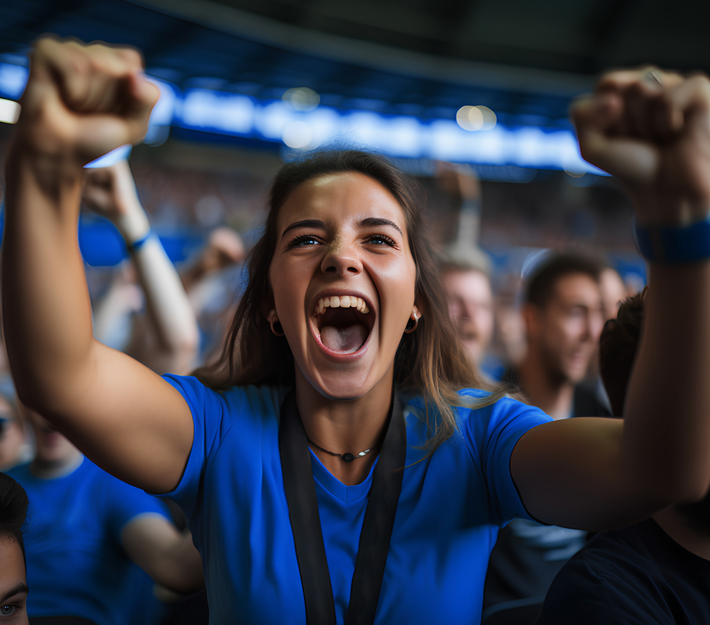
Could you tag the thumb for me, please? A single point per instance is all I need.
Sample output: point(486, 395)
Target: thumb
point(143, 96)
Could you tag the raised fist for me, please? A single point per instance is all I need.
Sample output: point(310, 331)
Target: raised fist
point(110, 191)
point(651, 130)
point(82, 101)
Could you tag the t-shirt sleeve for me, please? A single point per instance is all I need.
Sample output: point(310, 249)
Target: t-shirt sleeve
point(207, 408)
point(492, 433)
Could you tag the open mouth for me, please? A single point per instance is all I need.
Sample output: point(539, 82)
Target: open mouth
point(343, 323)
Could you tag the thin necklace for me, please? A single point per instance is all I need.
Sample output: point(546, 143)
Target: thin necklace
point(346, 457)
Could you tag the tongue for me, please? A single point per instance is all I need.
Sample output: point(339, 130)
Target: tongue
point(347, 340)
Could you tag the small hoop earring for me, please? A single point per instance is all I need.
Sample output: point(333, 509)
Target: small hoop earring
point(276, 326)
point(411, 325)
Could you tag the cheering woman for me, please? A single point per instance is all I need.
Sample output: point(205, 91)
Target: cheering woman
point(339, 465)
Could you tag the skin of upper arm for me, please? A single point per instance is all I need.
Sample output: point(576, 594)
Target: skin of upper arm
point(129, 421)
point(168, 556)
point(571, 473)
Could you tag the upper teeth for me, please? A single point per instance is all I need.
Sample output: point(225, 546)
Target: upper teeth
point(342, 301)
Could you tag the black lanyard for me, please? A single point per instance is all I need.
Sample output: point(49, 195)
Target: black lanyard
point(305, 521)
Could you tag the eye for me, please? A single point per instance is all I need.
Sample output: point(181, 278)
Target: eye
point(381, 239)
point(7, 610)
point(304, 240)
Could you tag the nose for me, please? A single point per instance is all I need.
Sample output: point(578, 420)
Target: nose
point(341, 260)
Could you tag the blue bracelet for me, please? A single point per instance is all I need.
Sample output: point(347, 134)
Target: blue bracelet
point(674, 245)
point(136, 245)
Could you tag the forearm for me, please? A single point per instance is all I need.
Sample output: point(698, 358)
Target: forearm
point(46, 309)
point(167, 304)
point(667, 421)
point(168, 556)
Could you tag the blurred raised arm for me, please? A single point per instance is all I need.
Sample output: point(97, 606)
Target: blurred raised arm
point(173, 339)
point(651, 130)
point(80, 102)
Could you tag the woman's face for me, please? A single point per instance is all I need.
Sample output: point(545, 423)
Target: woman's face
point(343, 236)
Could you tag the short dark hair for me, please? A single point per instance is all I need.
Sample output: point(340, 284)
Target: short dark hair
point(13, 509)
point(541, 283)
point(617, 350)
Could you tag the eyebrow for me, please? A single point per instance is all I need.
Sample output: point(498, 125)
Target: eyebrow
point(305, 223)
point(380, 221)
point(15, 591)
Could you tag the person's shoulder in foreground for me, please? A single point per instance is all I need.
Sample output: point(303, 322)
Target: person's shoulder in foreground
point(636, 575)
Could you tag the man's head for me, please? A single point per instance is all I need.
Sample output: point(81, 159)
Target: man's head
point(465, 278)
point(563, 315)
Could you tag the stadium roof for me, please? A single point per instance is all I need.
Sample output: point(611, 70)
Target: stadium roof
point(426, 58)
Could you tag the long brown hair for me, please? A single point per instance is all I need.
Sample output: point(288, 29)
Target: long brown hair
point(429, 362)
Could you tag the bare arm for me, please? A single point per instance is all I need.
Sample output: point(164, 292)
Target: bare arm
point(168, 556)
point(597, 473)
point(80, 102)
point(112, 193)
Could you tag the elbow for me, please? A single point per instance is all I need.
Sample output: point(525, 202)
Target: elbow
point(692, 493)
point(681, 489)
point(181, 577)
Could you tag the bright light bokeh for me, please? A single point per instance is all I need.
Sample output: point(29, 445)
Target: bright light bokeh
point(301, 99)
point(297, 135)
point(9, 111)
point(474, 118)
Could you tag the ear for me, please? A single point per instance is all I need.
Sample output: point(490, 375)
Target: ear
point(532, 319)
point(271, 316)
point(416, 313)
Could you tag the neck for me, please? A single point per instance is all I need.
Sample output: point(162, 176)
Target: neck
point(544, 391)
point(52, 469)
point(673, 524)
point(345, 426)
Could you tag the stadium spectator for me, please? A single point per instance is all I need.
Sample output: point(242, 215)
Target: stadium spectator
point(466, 270)
point(311, 381)
point(166, 338)
point(656, 572)
point(13, 580)
point(465, 276)
point(563, 320)
point(213, 282)
point(89, 530)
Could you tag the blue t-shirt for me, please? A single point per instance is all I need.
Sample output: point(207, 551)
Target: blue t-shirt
point(76, 565)
point(450, 508)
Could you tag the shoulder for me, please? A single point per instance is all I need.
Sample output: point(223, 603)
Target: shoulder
point(243, 400)
point(483, 419)
point(483, 409)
